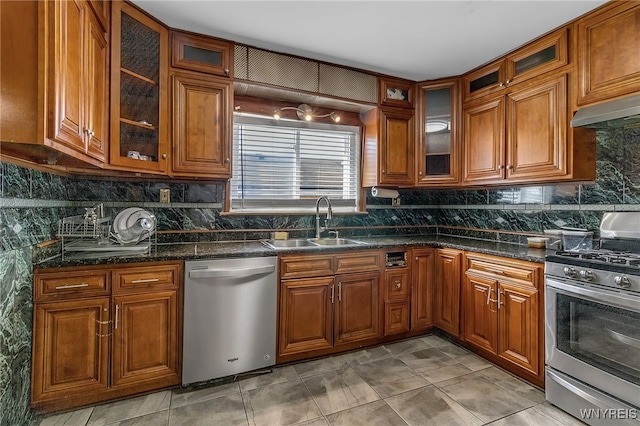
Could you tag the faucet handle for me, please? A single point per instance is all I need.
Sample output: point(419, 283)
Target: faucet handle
point(334, 232)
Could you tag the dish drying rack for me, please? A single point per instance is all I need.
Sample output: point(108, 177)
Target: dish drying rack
point(90, 236)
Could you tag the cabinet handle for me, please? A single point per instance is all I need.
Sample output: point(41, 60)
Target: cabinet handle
point(419, 173)
point(383, 171)
point(339, 292)
point(103, 322)
point(500, 302)
point(495, 271)
point(500, 167)
point(416, 257)
point(509, 166)
point(509, 80)
point(227, 160)
point(103, 335)
point(164, 156)
point(148, 280)
point(489, 299)
point(332, 291)
point(398, 284)
point(62, 287)
point(502, 84)
point(116, 320)
point(226, 71)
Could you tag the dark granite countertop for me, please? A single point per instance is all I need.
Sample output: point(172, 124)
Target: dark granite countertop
point(189, 251)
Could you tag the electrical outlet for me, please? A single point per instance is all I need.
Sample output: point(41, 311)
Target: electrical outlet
point(395, 202)
point(165, 195)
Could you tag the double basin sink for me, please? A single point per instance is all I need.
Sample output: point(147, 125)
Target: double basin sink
point(312, 242)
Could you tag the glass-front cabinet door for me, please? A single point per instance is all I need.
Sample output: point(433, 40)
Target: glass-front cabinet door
point(139, 108)
point(439, 149)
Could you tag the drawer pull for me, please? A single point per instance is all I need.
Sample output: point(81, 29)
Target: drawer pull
point(495, 271)
point(117, 311)
point(148, 280)
point(103, 322)
point(63, 287)
point(103, 335)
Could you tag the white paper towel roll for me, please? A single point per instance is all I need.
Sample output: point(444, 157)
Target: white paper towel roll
point(384, 193)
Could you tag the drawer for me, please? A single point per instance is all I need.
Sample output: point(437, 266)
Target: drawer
point(357, 262)
point(305, 266)
point(396, 284)
point(503, 268)
point(71, 284)
point(145, 278)
point(396, 317)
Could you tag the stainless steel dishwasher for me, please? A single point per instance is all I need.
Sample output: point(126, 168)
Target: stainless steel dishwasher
point(229, 317)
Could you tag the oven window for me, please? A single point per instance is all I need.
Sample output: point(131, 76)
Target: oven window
point(606, 337)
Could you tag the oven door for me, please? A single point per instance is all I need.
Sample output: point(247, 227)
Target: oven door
point(593, 335)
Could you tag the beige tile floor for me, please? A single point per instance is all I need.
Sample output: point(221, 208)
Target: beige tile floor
point(422, 381)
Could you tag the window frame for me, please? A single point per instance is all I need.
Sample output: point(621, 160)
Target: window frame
point(357, 207)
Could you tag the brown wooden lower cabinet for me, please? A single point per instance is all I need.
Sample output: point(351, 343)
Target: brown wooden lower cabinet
point(89, 348)
point(319, 314)
point(422, 262)
point(502, 307)
point(447, 290)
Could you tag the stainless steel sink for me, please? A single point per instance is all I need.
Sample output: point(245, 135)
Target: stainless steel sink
point(293, 243)
point(337, 242)
point(312, 242)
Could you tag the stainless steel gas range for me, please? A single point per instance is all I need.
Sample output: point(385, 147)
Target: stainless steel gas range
point(592, 326)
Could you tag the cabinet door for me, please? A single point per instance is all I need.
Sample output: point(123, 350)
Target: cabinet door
point(483, 145)
point(608, 53)
point(306, 315)
point(139, 96)
point(438, 153)
point(70, 348)
point(518, 324)
point(97, 99)
point(537, 130)
point(145, 338)
point(67, 96)
point(480, 306)
point(422, 276)
point(199, 53)
point(397, 149)
point(201, 142)
point(357, 308)
point(447, 291)
point(396, 317)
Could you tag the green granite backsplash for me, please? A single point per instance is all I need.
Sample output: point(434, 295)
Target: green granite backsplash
point(32, 202)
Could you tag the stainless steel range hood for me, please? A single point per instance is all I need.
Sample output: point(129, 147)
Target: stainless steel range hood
point(624, 112)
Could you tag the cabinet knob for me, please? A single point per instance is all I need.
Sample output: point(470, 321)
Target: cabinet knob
point(382, 170)
point(164, 156)
point(500, 167)
point(509, 80)
point(419, 173)
point(226, 71)
point(416, 257)
point(398, 285)
point(89, 132)
point(227, 160)
point(509, 167)
point(502, 84)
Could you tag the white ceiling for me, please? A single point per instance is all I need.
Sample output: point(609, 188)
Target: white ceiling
point(418, 40)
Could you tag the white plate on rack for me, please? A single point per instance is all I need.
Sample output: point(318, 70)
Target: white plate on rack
point(128, 220)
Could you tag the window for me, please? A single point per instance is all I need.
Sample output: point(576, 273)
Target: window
point(284, 166)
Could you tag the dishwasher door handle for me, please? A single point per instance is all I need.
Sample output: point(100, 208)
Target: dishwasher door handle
point(231, 272)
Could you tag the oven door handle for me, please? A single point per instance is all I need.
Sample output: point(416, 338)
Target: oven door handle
point(627, 301)
point(576, 390)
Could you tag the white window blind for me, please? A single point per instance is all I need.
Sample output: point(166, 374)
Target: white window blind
point(284, 166)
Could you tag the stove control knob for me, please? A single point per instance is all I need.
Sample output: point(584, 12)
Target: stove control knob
point(570, 271)
point(622, 281)
point(586, 275)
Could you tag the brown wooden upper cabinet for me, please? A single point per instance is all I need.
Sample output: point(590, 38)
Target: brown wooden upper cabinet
point(396, 159)
point(79, 79)
point(202, 54)
point(539, 57)
point(102, 10)
point(139, 96)
point(609, 53)
point(520, 136)
point(201, 126)
point(438, 147)
point(396, 92)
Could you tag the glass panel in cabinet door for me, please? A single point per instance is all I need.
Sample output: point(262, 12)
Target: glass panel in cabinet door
point(206, 56)
point(138, 143)
point(538, 58)
point(437, 136)
point(484, 81)
point(140, 49)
